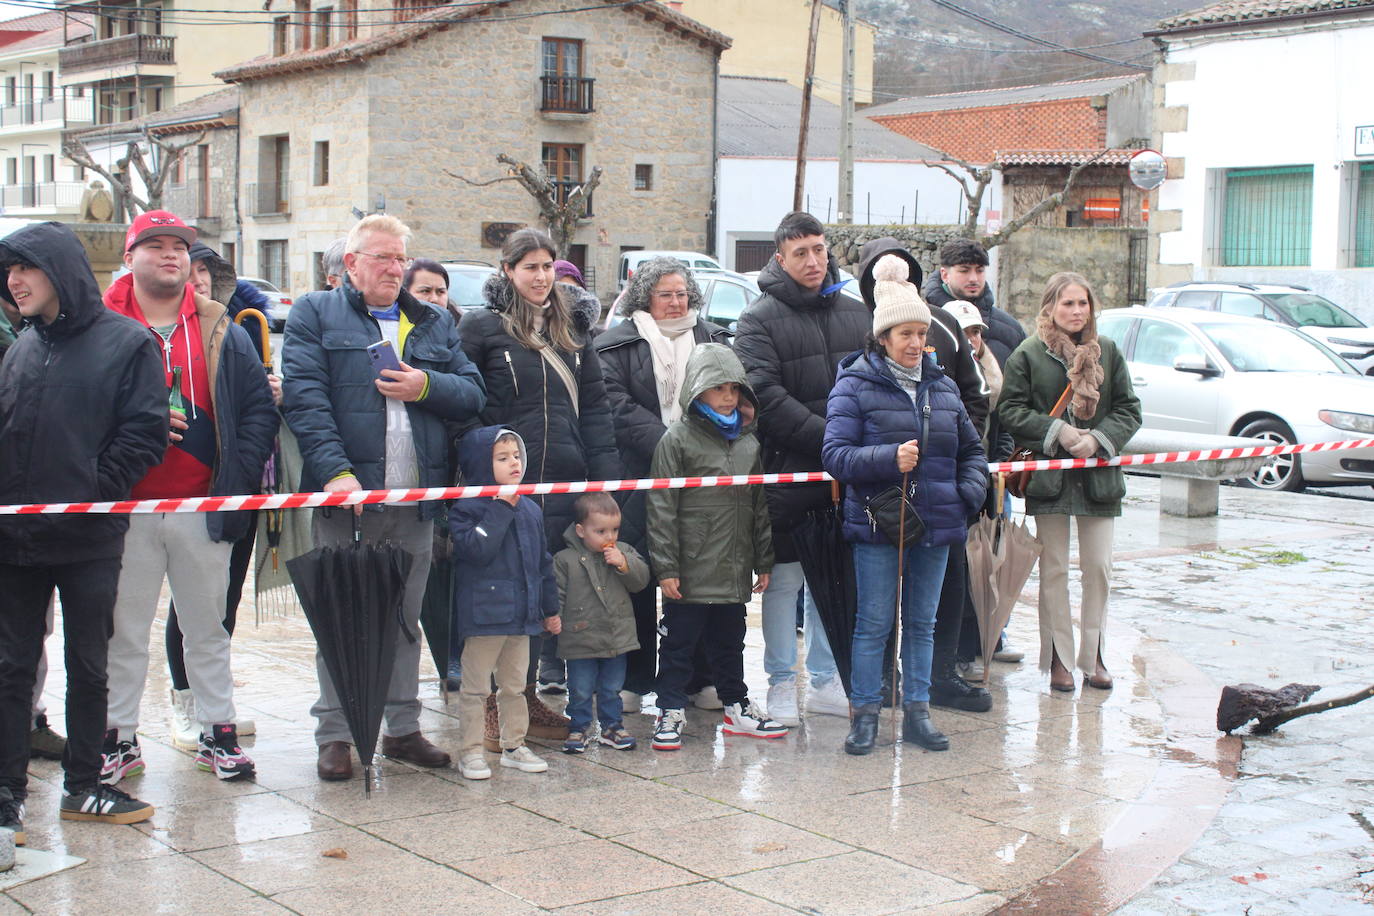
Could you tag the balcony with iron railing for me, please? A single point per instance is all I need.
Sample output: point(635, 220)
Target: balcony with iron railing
point(116, 52)
point(567, 94)
point(268, 198)
point(41, 197)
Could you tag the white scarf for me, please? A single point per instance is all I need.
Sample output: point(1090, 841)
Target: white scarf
point(670, 343)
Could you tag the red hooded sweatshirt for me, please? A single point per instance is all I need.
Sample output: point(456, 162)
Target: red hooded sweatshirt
point(187, 466)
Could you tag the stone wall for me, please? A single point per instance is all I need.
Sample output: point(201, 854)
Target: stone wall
point(1027, 260)
point(922, 241)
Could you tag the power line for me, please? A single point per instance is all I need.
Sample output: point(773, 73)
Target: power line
point(1026, 36)
point(997, 49)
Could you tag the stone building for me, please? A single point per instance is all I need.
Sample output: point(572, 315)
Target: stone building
point(373, 119)
point(203, 179)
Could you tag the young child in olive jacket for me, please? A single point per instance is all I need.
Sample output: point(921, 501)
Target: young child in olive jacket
point(706, 544)
point(596, 574)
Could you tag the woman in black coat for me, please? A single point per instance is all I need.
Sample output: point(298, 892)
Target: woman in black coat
point(644, 360)
point(543, 381)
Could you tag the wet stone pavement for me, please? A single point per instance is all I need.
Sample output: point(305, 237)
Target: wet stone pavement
point(1094, 802)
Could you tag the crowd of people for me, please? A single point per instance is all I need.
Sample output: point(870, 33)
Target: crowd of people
point(903, 393)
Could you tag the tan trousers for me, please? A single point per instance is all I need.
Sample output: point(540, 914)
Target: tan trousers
point(1095, 570)
point(506, 658)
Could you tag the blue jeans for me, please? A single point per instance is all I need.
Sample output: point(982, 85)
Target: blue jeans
point(599, 677)
point(875, 569)
point(780, 629)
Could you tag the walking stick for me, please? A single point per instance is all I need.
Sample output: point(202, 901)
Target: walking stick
point(897, 615)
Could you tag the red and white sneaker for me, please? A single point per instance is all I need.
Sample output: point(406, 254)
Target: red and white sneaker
point(220, 754)
point(119, 759)
point(748, 720)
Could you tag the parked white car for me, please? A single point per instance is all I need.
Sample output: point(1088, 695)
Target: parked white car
point(1294, 306)
point(1209, 372)
point(693, 259)
point(278, 302)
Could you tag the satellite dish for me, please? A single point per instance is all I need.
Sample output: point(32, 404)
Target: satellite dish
point(1147, 170)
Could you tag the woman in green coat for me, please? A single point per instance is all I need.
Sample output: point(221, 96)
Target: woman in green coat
point(1102, 415)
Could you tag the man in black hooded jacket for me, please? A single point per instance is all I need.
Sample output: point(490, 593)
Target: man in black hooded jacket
point(83, 416)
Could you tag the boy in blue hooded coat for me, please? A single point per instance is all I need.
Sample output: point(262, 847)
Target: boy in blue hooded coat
point(504, 592)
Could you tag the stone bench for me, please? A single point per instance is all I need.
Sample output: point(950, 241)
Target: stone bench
point(1191, 489)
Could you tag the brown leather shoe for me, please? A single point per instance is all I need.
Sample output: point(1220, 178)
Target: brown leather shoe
point(414, 748)
point(336, 761)
point(1099, 679)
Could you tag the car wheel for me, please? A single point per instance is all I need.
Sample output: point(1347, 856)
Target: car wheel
point(1281, 473)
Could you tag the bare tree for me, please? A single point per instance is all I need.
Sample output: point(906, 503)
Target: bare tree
point(154, 175)
point(975, 180)
point(561, 210)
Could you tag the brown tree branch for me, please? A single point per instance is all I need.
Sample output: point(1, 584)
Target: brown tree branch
point(1270, 723)
point(561, 216)
point(477, 184)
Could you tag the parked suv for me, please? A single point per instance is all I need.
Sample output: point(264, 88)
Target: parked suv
point(693, 259)
point(1294, 306)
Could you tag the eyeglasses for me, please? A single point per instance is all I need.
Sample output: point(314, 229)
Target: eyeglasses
point(400, 261)
point(672, 296)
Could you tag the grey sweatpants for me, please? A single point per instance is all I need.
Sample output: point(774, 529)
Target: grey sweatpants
point(401, 525)
point(174, 546)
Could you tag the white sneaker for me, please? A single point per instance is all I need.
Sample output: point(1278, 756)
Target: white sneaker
point(1008, 652)
point(748, 720)
point(523, 759)
point(707, 698)
point(971, 671)
point(185, 730)
point(474, 766)
point(631, 701)
point(782, 703)
point(828, 699)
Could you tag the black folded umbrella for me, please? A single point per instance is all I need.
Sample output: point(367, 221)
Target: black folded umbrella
point(352, 597)
point(828, 564)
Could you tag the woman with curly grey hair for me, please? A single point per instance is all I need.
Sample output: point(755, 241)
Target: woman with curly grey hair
point(644, 362)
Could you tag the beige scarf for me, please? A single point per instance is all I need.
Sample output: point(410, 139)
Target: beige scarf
point(670, 343)
point(1083, 359)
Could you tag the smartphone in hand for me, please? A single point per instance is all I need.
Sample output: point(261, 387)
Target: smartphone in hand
point(383, 356)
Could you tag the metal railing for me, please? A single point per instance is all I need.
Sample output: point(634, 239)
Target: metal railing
point(44, 195)
point(268, 198)
point(110, 52)
point(567, 93)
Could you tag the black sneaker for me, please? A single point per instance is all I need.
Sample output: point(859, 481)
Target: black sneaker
point(44, 742)
point(12, 817)
point(104, 803)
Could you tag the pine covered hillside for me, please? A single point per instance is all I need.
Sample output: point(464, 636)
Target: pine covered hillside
point(927, 47)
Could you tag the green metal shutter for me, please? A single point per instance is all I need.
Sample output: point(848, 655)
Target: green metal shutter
point(1267, 221)
point(1364, 217)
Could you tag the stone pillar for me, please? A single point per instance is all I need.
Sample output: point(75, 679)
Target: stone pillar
point(1188, 497)
point(6, 849)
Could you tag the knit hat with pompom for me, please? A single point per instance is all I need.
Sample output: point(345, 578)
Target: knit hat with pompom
point(895, 301)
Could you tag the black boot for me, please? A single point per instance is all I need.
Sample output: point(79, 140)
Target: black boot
point(918, 729)
point(948, 689)
point(863, 730)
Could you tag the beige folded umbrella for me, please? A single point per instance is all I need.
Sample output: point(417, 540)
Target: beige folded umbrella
point(1001, 555)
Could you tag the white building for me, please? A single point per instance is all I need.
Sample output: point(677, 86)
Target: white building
point(1265, 112)
point(38, 183)
point(757, 128)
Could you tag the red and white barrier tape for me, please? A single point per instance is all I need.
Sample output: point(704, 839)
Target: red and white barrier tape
point(391, 497)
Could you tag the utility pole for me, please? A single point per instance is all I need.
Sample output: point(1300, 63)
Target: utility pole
point(806, 104)
point(846, 180)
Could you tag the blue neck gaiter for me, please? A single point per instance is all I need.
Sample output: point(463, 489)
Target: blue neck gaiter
point(729, 426)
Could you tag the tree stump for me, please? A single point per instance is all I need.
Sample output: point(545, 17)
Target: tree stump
point(1242, 702)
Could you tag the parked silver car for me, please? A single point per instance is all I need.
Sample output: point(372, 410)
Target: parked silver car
point(1210, 372)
